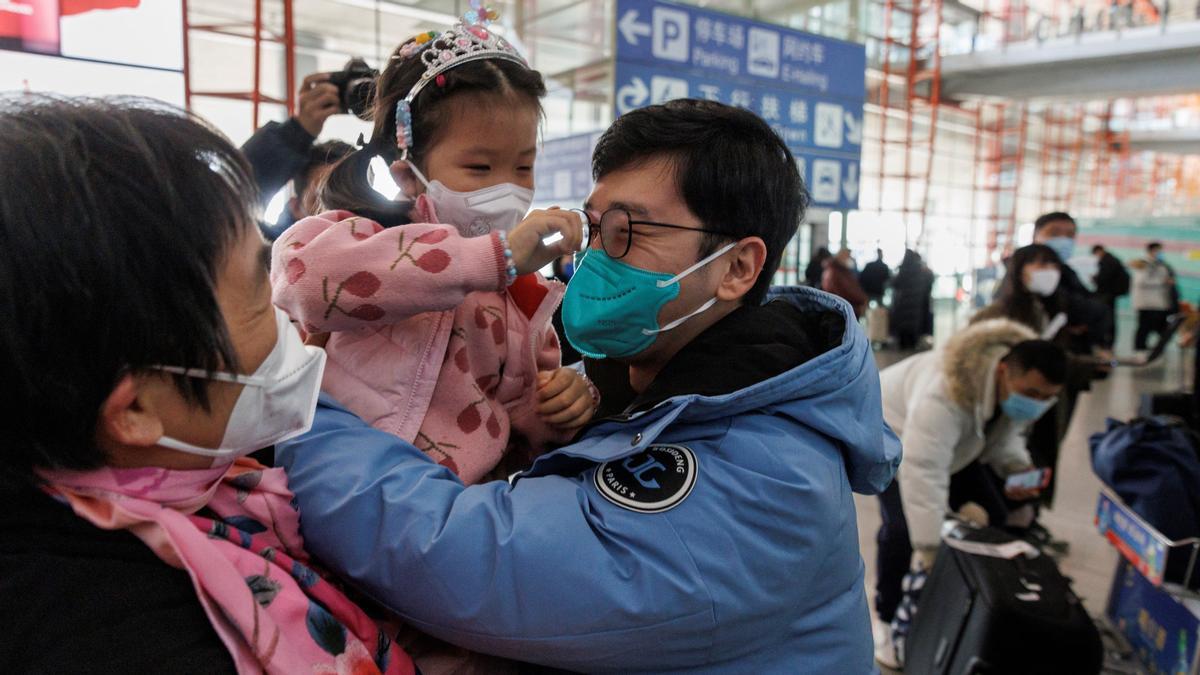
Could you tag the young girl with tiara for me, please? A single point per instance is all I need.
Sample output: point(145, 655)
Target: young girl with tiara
point(441, 333)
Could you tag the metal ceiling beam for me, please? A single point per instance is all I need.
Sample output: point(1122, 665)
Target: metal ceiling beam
point(1094, 66)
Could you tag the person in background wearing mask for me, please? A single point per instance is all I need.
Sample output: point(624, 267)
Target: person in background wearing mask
point(874, 277)
point(1112, 281)
point(282, 151)
point(960, 412)
point(1155, 295)
point(709, 525)
point(1032, 293)
point(134, 534)
point(1089, 319)
point(840, 279)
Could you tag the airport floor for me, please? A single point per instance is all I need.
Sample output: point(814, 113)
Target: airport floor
point(1090, 561)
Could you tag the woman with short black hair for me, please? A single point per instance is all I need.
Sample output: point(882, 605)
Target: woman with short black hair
point(142, 361)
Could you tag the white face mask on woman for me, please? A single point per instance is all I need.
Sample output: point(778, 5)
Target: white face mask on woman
point(277, 402)
point(499, 207)
point(1045, 281)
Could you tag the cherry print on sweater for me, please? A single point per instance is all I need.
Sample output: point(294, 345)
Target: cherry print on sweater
point(361, 284)
point(295, 270)
point(433, 350)
point(470, 419)
point(433, 448)
point(432, 261)
point(355, 232)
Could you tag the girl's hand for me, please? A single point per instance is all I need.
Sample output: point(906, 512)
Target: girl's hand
point(565, 399)
point(529, 254)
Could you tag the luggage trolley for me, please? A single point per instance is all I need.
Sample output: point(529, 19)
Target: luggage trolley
point(1153, 603)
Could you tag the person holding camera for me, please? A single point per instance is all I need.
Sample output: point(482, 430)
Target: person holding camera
point(281, 151)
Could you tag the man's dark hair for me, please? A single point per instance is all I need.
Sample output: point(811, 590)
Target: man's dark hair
point(733, 171)
point(1041, 355)
point(115, 216)
point(1154, 246)
point(319, 155)
point(1097, 249)
point(1052, 217)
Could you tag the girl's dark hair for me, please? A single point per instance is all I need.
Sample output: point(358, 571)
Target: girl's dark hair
point(347, 185)
point(1014, 298)
point(115, 217)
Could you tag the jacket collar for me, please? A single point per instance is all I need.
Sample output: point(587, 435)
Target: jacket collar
point(741, 363)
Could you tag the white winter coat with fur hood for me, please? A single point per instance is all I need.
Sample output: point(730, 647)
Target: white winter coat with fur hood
point(939, 403)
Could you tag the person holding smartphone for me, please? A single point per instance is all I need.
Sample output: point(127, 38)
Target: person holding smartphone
point(961, 413)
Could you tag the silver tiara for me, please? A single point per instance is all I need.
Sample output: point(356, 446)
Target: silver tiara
point(468, 40)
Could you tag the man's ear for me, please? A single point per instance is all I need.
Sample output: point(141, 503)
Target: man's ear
point(746, 261)
point(403, 174)
point(127, 417)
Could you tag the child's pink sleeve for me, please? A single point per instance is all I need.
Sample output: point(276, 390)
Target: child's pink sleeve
point(337, 272)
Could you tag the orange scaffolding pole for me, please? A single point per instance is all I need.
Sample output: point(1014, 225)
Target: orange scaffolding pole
point(258, 36)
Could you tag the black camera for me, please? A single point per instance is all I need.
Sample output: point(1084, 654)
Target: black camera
point(356, 87)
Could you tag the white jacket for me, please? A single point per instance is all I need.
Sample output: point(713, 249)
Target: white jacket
point(1152, 286)
point(939, 404)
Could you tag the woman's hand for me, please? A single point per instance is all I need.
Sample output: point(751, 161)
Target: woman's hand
point(564, 399)
point(529, 254)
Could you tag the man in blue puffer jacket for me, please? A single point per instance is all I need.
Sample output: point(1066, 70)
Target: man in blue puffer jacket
point(708, 526)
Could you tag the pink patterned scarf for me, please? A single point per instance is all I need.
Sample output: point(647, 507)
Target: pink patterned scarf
point(246, 560)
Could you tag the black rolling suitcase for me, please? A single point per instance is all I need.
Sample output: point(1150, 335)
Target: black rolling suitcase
point(982, 615)
point(1181, 404)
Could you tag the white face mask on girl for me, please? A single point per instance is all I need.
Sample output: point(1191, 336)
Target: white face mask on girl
point(1044, 282)
point(277, 402)
point(499, 207)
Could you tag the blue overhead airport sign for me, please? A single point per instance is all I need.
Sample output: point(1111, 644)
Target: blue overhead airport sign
point(563, 171)
point(809, 88)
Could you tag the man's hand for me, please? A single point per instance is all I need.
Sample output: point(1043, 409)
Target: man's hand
point(529, 254)
point(1104, 359)
point(564, 399)
point(318, 102)
point(923, 559)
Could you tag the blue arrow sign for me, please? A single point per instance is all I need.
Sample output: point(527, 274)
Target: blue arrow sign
point(809, 88)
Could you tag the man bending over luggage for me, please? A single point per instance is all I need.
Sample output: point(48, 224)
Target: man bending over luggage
point(961, 413)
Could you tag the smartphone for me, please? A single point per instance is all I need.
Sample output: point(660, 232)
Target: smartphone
point(1037, 479)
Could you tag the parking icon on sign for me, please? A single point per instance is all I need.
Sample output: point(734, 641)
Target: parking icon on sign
point(670, 39)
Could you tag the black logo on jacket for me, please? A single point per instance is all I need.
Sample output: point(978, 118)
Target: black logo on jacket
point(652, 481)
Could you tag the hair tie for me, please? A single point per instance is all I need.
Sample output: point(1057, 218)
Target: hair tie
point(440, 80)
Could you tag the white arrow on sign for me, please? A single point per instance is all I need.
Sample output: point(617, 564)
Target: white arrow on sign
point(631, 28)
point(632, 95)
point(850, 183)
point(853, 129)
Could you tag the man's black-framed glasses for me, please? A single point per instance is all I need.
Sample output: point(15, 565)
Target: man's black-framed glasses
point(616, 231)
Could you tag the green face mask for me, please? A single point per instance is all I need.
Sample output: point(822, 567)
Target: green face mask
point(611, 308)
